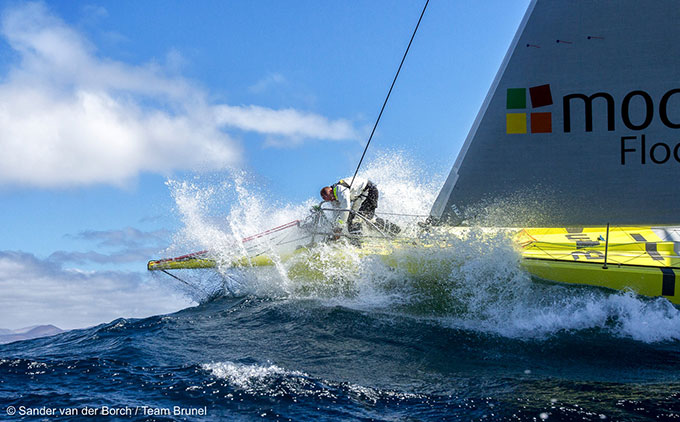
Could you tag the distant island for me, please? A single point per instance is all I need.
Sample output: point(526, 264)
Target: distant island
point(27, 333)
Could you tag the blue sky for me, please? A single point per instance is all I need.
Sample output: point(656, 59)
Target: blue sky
point(102, 102)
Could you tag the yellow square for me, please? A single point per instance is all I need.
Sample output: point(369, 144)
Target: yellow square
point(516, 123)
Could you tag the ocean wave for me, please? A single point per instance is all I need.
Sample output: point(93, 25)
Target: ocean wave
point(475, 282)
point(274, 381)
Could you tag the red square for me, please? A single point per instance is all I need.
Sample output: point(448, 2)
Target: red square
point(540, 95)
point(541, 122)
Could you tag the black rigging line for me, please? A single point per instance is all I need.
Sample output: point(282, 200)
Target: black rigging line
point(389, 92)
point(177, 278)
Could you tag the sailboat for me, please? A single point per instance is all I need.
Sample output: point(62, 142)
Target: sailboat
point(575, 151)
point(580, 131)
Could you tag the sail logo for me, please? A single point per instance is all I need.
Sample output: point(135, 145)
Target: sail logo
point(634, 119)
point(539, 121)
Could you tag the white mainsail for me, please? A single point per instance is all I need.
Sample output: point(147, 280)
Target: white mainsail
point(582, 124)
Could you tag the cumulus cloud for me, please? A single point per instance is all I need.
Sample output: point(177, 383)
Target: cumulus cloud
point(69, 117)
point(38, 291)
point(291, 123)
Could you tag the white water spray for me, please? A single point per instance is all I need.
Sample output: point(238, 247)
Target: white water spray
point(474, 283)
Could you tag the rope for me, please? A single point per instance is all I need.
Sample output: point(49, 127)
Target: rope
point(402, 215)
point(377, 212)
point(388, 93)
point(177, 278)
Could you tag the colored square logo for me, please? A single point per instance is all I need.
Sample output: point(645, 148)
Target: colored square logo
point(517, 98)
point(541, 122)
point(516, 123)
point(540, 96)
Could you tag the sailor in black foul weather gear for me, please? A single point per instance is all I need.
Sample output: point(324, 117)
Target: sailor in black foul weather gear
point(361, 198)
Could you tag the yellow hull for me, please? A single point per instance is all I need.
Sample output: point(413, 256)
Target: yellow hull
point(647, 281)
point(637, 258)
point(641, 259)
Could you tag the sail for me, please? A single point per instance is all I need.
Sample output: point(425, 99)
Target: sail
point(581, 125)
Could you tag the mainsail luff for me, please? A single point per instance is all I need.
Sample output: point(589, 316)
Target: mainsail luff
point(580, 126)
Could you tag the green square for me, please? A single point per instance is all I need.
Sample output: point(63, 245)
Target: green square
point(517, 98)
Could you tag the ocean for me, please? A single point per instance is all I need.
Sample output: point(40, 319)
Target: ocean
point(390, 350)
point(468, 337)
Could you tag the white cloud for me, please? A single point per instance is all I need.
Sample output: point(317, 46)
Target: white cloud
point(42, 292)
point(94, 13)
point(70, 117)
point(269, 81)
point(291, 123)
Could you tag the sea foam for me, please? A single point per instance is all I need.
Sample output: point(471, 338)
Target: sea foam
point(474, 283)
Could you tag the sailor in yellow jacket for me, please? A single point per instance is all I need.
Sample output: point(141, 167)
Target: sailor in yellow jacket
point(361, 197)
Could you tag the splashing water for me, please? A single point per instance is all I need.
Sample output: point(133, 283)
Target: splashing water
point(474, 283)
point(275, 381)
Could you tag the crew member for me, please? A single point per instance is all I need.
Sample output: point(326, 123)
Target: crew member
point(361, 197)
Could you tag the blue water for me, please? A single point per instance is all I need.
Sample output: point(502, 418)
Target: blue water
point(294, 358)
point(469, 336)
point(332, 336)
